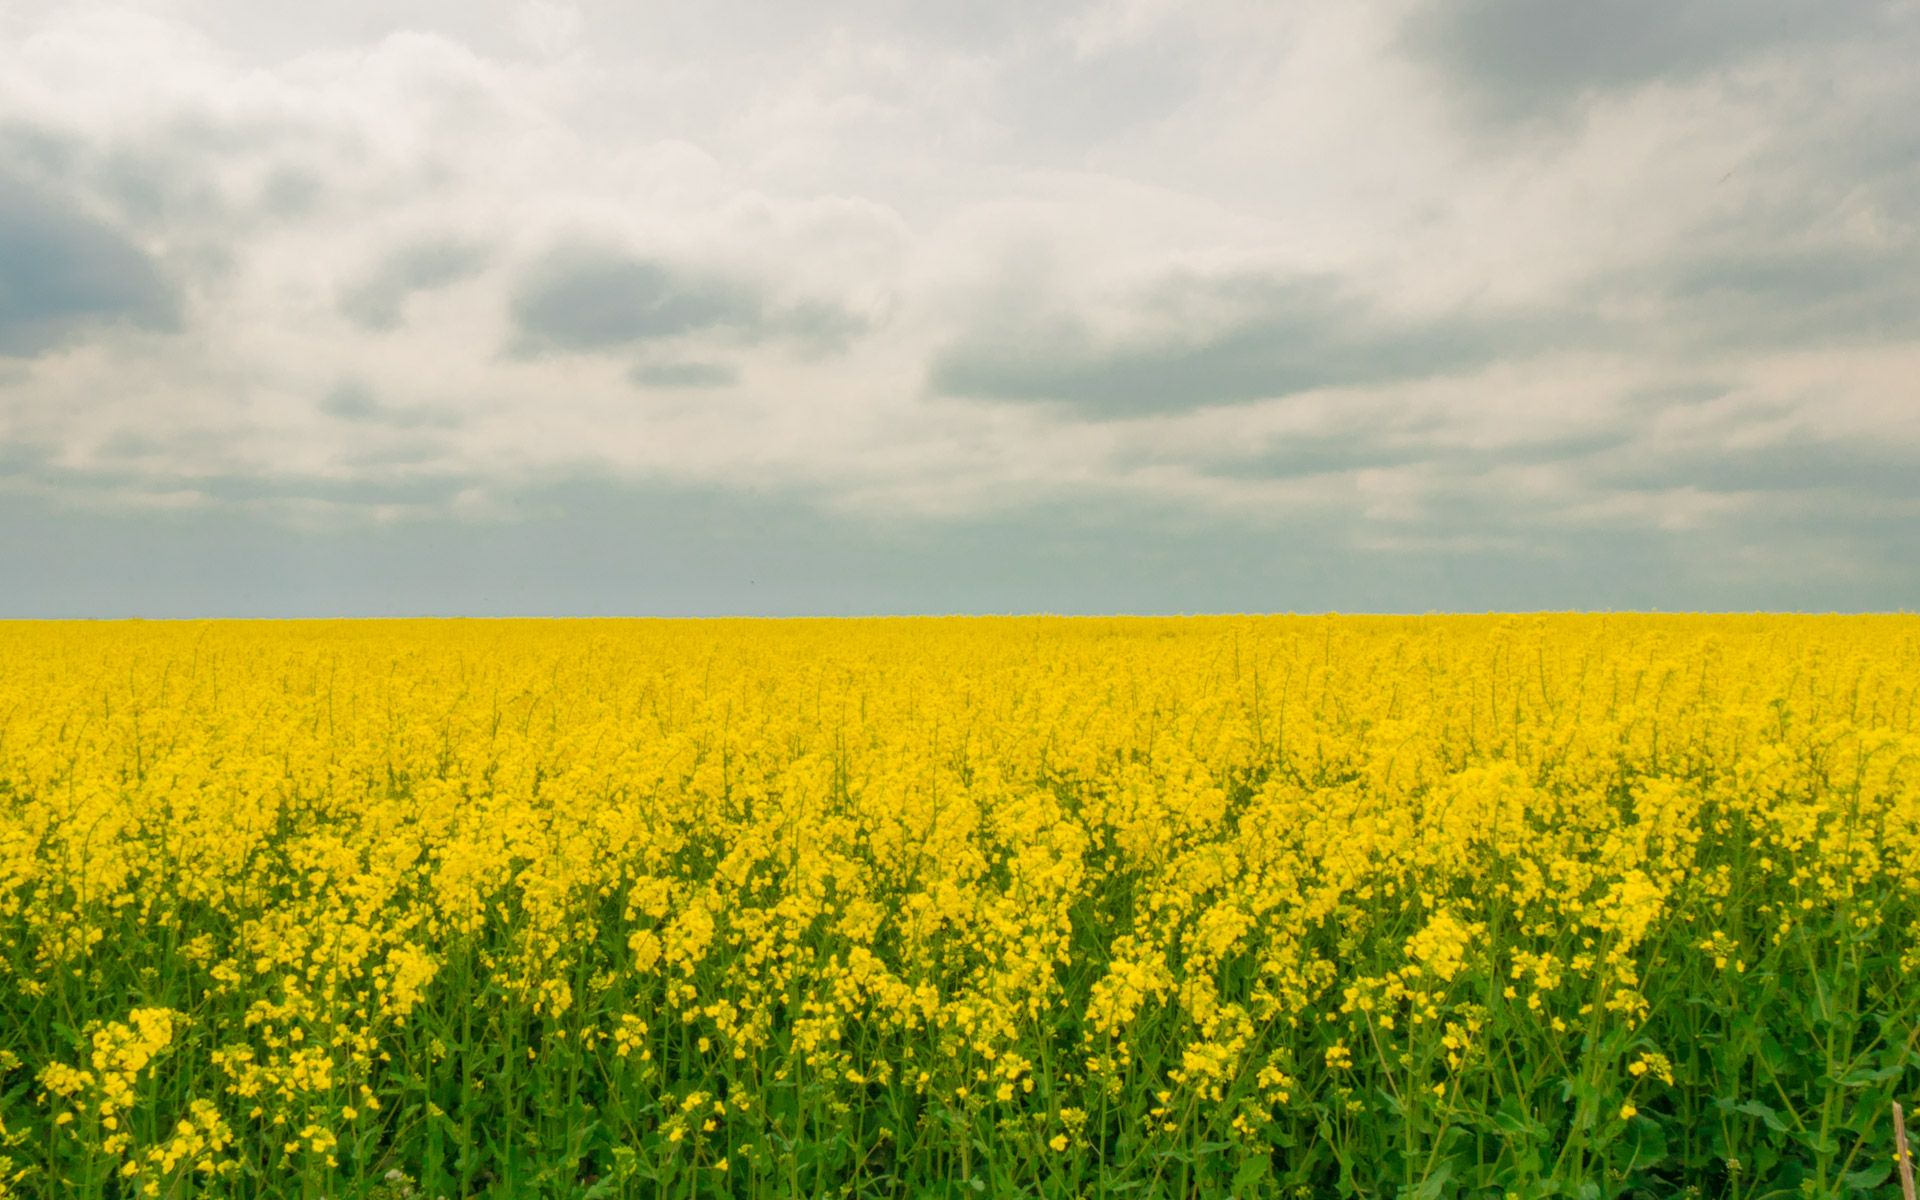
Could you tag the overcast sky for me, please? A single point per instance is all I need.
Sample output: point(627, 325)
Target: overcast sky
point(544, 307)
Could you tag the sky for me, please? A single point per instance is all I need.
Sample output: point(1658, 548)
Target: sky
point(550, 308)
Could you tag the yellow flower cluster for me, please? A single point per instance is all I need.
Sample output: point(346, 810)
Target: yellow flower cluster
point(340, 897)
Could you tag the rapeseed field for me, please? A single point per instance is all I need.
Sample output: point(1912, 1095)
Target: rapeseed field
point(1581, 906)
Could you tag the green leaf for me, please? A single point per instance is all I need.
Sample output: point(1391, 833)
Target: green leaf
point(1755, 1108)
point(1250, 1172)
point(1863, 1077)
point(1430, 1187)
point(1867, 1178)
point(1642, 1144)
point(1513, 1121)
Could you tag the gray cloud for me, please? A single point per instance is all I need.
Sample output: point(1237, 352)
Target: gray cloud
point(1528, 58)
point(355, 401)
point(62, 272)
point(1823, 249)
point(419, 494)
point(1313, 454)
point(290, 193)
point(351, 400)
point(1248, 337)
point(378, 302)
point(590, 548)
point(683, 375)
point(377, 479)
point(1769, 279)
point(818, 326)
point(1399, 445)
point(582, 299)
point(1762, 295)
point(1864, 472)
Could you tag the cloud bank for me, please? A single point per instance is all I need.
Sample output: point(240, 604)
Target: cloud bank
point(1359, 288)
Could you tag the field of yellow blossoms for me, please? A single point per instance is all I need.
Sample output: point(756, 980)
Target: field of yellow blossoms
point(1582, 906)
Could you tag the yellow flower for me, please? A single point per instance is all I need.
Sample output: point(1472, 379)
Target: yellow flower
point(1324, 855)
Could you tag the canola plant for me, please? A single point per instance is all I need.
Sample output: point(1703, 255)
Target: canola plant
point(1582, 906)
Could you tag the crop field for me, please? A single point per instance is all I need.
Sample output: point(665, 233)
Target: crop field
point(1583, 906)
